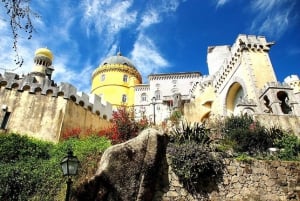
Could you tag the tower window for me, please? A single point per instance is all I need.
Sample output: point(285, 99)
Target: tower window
point(157, 95)
point(143, 97)
point(125, 78)
point(124, 98)
point(102, 77)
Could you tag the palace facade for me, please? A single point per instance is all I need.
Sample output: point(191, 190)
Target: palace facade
point(241, 80)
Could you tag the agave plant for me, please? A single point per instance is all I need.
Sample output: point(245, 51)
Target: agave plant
point(197, 133)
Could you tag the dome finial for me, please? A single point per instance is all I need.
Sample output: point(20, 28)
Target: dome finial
point(119, 52)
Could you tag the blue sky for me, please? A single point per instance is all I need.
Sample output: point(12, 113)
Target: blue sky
point(159, 36)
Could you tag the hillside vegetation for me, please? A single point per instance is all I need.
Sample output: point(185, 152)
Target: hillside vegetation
point(30, 169)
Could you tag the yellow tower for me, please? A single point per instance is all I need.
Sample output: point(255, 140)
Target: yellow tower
point(114, 80)
point(42, 64)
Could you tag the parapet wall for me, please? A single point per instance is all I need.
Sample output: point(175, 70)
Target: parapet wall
point(91, 102)
point(258, 180)
point(48, 112)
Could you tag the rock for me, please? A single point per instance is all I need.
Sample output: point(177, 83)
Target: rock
point(128, 171)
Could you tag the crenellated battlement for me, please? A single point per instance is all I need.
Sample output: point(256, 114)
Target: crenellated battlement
point(142, 87)
point(247, 43)
point(274, 85)
point(174, 76)
point(47, 87)
point(204, 81)
point(292, 79)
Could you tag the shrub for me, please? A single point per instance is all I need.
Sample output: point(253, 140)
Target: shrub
point(194, 163)
point(30, 169)
point(290, 147)
point(243, 122)
point(124, 126)
point(175, 117)
point(197, 133)
point(22, 148)
point(71, 133)
point(192, 158)
point(244, 158)
point(249, 141)
point(249, 136)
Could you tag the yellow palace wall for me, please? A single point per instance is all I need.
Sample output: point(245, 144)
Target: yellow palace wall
point(113, 87)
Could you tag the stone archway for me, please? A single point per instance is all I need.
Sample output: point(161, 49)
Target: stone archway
point(234, 94)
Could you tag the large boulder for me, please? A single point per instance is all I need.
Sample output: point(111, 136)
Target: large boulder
point(128, 171)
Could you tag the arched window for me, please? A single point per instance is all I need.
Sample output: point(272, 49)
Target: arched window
point(125, 78)
point(157, 95)
point(124, 98)
point(284, 104)
point(102, 77)
point(143, 97)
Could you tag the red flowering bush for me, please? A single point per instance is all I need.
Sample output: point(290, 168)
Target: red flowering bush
point(77, 133)
point(71, 132)
point(124, 126)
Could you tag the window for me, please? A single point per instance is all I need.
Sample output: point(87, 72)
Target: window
point(5, 120)
point(157, 95)
point(143, 97)
point(124, 98)
point(102, 77)
point(125, 78)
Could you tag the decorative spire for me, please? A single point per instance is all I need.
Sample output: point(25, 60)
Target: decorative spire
point(119, 52)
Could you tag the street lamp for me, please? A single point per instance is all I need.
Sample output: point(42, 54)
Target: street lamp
point(153, 100)
point(69, 165)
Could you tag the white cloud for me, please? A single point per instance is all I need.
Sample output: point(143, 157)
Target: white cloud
point(2, 24)
point(221, 3)
point(108, 17)
point(263, 5)
point(150, 17)
point(146, 56)
point(275, 25)
point(273, 17)
point(103, 21)
point(169, 6)
point(156, 12)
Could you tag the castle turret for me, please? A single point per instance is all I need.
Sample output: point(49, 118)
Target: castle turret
point(42, 64)
point(294, 82)
point(114, 80)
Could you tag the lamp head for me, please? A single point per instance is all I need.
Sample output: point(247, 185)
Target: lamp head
point(69, 164)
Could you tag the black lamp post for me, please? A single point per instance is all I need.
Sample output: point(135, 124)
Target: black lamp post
point(69, 165)
point(153, 100)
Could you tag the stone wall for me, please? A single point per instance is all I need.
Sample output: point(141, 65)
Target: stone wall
point(79, 117)
point(259, 180)
point(35, 115)
point(43, 116)
point(286, 122)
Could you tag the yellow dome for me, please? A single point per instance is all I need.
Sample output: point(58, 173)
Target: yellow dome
point(44, 52)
